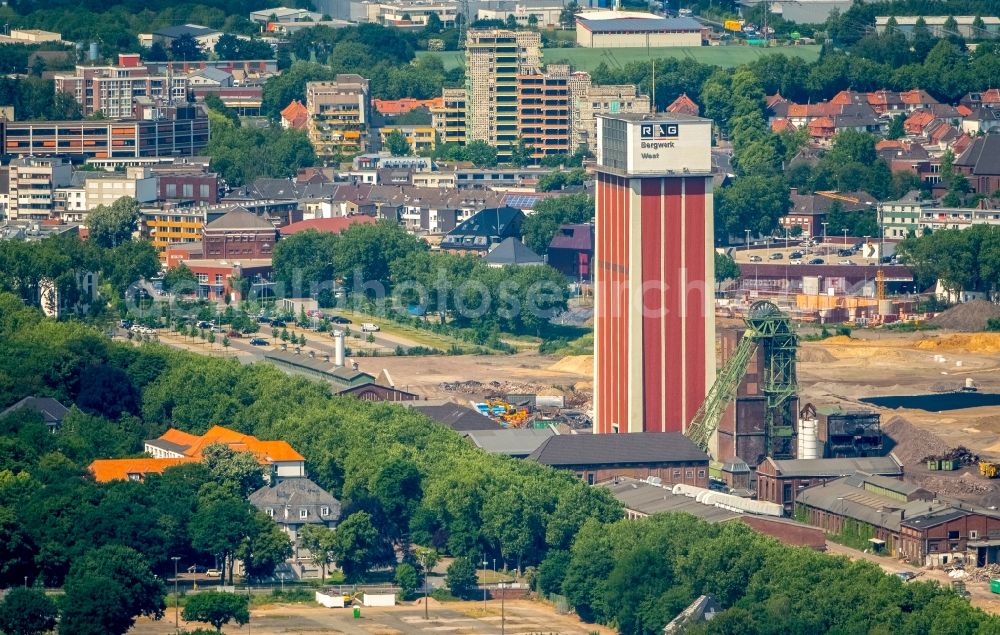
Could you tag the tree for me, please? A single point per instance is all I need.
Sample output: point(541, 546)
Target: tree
point(240, 471)
point(461, 578)
point(521, 154)
point(407, 580)
point(482, 154)
point(397, 144)
point(27, 612)
point(896, 130)
point(217, 608)
point(186, 48)
point(264, 548)
point(320, 541)
point(359, 546)
point(567, 17)
point(539, 228)
point(112, 225)
point(725, 268)
point(219, 527)
point(180, 280)
point(107, 589)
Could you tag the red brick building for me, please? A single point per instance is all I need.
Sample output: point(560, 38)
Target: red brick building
point(239, 234)
point(780, 481)
point(669, 456)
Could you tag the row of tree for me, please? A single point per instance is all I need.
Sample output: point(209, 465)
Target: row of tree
point(962, 259)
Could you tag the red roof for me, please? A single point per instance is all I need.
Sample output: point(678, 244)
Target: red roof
point(402, 106)
point(781, 125)
point(684, 105)
point(325, 225)
point(295, 115)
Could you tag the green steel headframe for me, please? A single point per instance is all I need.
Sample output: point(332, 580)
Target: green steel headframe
point(770, 329)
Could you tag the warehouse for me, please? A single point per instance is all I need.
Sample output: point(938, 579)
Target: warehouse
point(620, 29)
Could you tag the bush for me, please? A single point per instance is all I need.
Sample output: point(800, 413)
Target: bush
point(993, 324)
point(461, 578)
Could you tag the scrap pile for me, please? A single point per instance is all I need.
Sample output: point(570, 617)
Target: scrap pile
point(983, 574)
point(911, 444)
point(960, 456)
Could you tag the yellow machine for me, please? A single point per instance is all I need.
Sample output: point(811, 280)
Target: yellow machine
point(989, 469)
point(733, 25)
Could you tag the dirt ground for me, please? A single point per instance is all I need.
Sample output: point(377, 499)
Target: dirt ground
point(519, 616)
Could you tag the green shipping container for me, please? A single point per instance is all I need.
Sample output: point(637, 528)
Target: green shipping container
point(933, 465)
point(995, 586)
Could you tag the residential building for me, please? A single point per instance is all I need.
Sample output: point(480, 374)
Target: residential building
point(50, 410)
point(420, 137)
point(571, 251)
point(89, 190)
point(176, 446)
point(295, 502)
point(155, 133)
point(629, 29)
point(295, 116)
point(243, 71)
point(668, 456)
point(171, 226)
point(494, 59)
point(980, 163)
point(911, 215)
point(484, 230)
point(210, 77)
point(448, 118)
point(216, 277)
point(589, 101)
point(684, 105)
point(808, 211)
point(239, 235)
point(543, 117)
point(112, 90)
point(339, 115)
point(781, 481)
point(185, 184)
point(396, 107)
point(333, 225)
point(32, 184)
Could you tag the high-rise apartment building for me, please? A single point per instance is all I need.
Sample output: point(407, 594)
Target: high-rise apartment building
point(339, 115)
point(112, 90)
point(33, 181)
point(588, 101)
point(493, 60)
point(543, 111)
point(654, 330)
point(449, 118)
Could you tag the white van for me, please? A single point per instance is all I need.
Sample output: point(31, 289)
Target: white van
point(368, 327)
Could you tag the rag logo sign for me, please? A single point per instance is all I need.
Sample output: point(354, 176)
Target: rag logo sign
point(658, 131)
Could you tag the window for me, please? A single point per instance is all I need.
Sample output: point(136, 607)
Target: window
point(171, 190)
point(677, 473)
point(689, 474)
point(973, 534)
point(303, 513)
point(701, 473)
point(269, 511)
point(324, 511)
point(590, 478)
point(204, 190)
point(952, 535)
point(188, 190)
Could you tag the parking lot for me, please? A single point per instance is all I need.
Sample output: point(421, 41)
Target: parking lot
point(800, 254)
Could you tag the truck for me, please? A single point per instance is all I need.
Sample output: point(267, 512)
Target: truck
point(733, 25)
point(368, 327)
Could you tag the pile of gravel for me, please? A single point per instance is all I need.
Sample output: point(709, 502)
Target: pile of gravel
point(912, 444)
point(968, 316)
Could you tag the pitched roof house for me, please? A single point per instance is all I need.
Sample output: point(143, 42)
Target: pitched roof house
point(295, 116)
point(51, 411)
point(296, 502)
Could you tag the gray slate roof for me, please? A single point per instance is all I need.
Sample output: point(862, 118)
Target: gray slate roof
point(51, 410)
point(513, 252)
point(239, 219)
point(317, 364)
point(618, 449)
point(515, 442)
point(649, 499)
point(455, 416)
point(174, 32)
point(982, 155)
point(846, 497)
point(296, 493)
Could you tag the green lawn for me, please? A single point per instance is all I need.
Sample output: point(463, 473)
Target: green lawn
point(589, 59)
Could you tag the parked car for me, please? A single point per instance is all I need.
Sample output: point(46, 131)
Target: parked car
point(368, 327)
point(795, 254)
point(278, 323)
point(845, 252)
point(845, 262)
point(795, 261)
point(258, 341)
point(206, 324)
point(336, 319)
point(215, 573)
point(197, 568)
point(124, 324)
point(263, 319)
point(816, 261)
point(776, 256)
point(234, 334)
point(755, 259)
point(905, 576)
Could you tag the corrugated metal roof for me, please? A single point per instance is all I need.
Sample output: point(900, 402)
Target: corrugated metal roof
point(510, 441)
point(618, 449)
point(644, 25)
point(883, 465)
point(649, 499)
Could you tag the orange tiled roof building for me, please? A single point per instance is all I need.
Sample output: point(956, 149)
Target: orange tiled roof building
point(175, 447)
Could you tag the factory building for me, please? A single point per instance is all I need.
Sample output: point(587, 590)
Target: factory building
point(622, 29)
point(654, 349)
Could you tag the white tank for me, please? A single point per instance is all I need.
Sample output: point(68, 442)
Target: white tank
point(808, 443)
point(338, 349)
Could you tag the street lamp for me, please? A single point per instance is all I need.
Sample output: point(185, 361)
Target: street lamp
point(748, 238)
point(845, 237)
point(485, 564)
point(824, 232)
point(177, 607)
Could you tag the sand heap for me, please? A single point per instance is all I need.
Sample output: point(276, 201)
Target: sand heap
point(968, 316)
point(912, 444)
point(971, 343)
point(576, 364)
